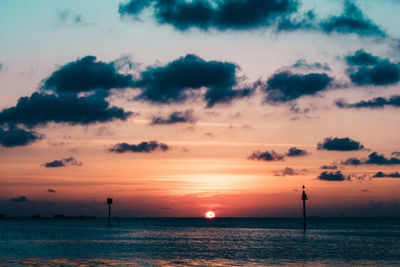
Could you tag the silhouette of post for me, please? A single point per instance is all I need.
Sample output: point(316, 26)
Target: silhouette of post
point(304, 198)
point(109, 202)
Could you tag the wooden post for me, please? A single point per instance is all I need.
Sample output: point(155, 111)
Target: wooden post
point(109, 202)
point(304, 198)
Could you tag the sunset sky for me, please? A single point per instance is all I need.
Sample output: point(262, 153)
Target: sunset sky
point(177, 107)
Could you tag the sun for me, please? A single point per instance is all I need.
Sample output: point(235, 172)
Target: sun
point(210, 215)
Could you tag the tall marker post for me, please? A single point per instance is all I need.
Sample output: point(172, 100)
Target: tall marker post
point(109, 202)
point(304, 198)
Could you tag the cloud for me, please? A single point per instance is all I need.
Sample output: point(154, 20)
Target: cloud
point(133, 7)
point(86, 74)
point(388, 175)
point(304, 21)
point(66, 15)
point(333, 176)
point(175, 117)
point(146, 147)
point(174, 82)
point(51, 190)
point(366, 69)
point(266, 156)
point(18, 137)
point(19, 199)
point(63, 163)
point(274, 156)
point(339, 144)
point(373, 158)
point(240, 15)
point(206, 14)
point(327, 167)
point(286, 172)
point(285, 86)
point(396, 153)
point(40, 108)
point(375, 103)
point(352, 161)
point(385, 73)
point(296, 152)
point(55, 164)
point(384, 175)
point(303, 64)
point(362, 58)
point(351, 21)
point(103, 131)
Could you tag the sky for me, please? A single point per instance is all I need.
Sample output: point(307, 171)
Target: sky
point(175, 107)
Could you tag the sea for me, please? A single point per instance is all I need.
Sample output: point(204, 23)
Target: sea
point(200, 242)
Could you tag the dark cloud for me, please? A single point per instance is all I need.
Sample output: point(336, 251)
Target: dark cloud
point(384, 73)
point(206, 14)
point(396, 153)
point(388, 175)
point(375, 103)
point(296, 152)
point(133, 7)
point(339, 144)
point(333, 176)
point(352, 161)
point(274, 156)
point(19, 199)
point(63, 163)
point(174, 82)
point(86, 74)
point(329, 167)
point(266, 156)
point(139, 148)
point(351, 21)
point(175, 117)
point(373, 158)
point(18, 137)
point(40, 108)
point(285, 86)
point(362, 58)
point(366, 69)
point(241, 15)
point(54, 164)
point(51, 190)
point(302, 63)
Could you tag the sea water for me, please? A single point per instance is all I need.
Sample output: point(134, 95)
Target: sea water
point(200, 242)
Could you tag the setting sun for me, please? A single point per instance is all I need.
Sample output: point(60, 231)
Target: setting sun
point(210, 215)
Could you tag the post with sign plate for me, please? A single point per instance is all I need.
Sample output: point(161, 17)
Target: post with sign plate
point(304, 198)
point(109, 202)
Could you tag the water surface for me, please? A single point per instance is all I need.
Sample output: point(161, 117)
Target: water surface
point(200, 242)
